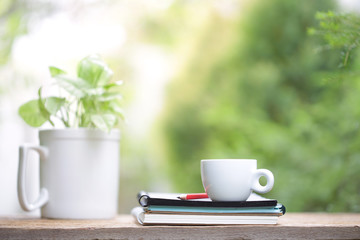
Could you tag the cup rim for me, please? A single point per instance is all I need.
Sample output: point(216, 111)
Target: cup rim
point(79, 133)
point(228, 160)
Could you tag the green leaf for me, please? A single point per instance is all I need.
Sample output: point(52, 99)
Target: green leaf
point(94, 91)
point(94, 71)
point(108, 96)
point(76, 87)
point(113, 85)
point(88, 104)
point(45, 113)
point(49, 106)
point(30, 112)
point(53, 104)
point(104, 122)
point(114, 107)
point(54, 71)
point(85, 120)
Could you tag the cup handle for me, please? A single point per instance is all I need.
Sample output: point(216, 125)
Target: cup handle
point(269, 178)
point(44, 195)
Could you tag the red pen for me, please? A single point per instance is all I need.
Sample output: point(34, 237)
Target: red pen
point(193, 196)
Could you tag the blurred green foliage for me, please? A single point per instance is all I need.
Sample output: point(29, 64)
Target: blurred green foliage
point(257, 89)
point(340, 31)
point(12, 25)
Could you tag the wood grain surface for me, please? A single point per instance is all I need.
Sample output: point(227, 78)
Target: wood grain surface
point(290, 226)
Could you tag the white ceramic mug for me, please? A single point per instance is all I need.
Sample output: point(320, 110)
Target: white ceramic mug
point(233, 179)
point(79, 174)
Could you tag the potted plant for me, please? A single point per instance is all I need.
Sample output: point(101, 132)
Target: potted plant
point(79, 163)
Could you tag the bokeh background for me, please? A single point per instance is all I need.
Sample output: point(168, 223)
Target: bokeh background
point(202, 79)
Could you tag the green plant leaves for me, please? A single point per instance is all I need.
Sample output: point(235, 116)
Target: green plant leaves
point(76, 87)
point(32, 114)
point(108, 96)
point(339, 31)
point(94, 71)
point(104, 122)
point(54, 71)
point(113, 86)
point(53, 104)
point(37, 112)
point(92, 100)
point(115, 108)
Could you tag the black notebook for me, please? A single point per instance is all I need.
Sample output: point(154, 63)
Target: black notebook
point(147, 199)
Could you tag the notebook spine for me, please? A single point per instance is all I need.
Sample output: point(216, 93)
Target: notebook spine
point(143, 199)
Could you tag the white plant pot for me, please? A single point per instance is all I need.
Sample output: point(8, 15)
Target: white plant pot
point(79, 174)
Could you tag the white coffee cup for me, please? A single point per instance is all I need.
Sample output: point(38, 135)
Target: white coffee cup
point(79, 174)
point(233, 179)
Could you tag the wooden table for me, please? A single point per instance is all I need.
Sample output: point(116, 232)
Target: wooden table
point(290, 226)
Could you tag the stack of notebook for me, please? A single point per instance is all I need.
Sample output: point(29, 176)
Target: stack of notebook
point(167, 208)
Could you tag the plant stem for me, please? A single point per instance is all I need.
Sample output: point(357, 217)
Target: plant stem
point(77, 119)
point(63, 118)
point(51, 122)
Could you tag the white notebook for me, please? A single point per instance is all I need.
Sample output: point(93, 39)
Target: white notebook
point(144, 218)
